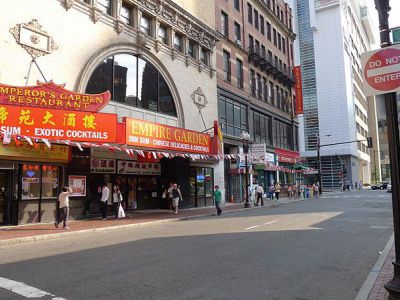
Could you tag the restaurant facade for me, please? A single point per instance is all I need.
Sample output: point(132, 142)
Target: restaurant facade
point(102, 92)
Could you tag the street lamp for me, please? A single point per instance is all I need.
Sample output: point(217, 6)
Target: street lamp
point(319, 162)
point(245, 138)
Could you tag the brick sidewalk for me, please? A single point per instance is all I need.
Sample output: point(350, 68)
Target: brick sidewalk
point(378, 291)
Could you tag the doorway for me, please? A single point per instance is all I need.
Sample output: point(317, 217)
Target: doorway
point(5, 196)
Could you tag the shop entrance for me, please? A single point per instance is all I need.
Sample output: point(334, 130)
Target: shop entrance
point(5, 196)
point(201, 186)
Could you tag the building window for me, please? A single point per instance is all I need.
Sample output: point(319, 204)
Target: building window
point(256, 19)
point(262, 128)
point(271, 93)
point(253, 83)
point(250, 13)
point(263, 53)
point(191, 49)
point(262, 25)
point(162, 34)
point(279, 41)
point(283, 45)
point(39, 181)
point(274, 31)
point(145, 25)
point(239, 73)
point(268, 31)
point(280, 65)
point(178, 42)
point(204, 56)
point(126, 14)
point(132, 81)
point(224, 24)
point(259, 87)
point(276, 61)
point(104, 6)
point(236, 4)
point(251, 42)
point(258, 47)
point(270, 56)
point(291, 51)
point(232, 116)
point(283, 100)
point(265, 89)
point(278, 97)
point(227, 66)
point(238, 34)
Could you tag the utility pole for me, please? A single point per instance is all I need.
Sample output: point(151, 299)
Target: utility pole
point(393, 286)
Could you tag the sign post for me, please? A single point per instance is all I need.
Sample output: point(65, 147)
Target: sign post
point(396, 35)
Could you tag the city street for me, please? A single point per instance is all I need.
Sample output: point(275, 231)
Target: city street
point(312, 249)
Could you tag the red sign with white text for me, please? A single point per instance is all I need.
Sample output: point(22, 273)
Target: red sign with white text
point(54, 124)
point(51, 95)
point(299, 90)
point(381, 71)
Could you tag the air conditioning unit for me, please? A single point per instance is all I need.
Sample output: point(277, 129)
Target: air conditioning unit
point(239, 43)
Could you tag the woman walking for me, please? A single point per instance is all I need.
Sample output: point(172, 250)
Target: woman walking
point(117, 199)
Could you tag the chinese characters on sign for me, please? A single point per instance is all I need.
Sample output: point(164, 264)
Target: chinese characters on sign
point(58, 124)
point(137, 168)
point(157, 136)
point(51, 95)
point(299, 90)
point(28, 152)
point(100, 165)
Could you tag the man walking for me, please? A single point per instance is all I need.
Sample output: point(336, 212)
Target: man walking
point(105, 194)
point(260, 192)
point(63, 200)
point(277, 190)
point(217, 199)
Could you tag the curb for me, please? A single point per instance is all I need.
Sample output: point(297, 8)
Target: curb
point(366, 288)
point(63, 235)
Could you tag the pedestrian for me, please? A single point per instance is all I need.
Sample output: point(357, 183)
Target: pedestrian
point(277, 190)
point(315, 190)
point(176, 197)
point(217, 199)
point(289, 191)
point(170, 197)
point(105, 194)
point(271, 191)
point(63, 200)
point(360, 185)
point(260, 192)
point(117, 200)
point(356, 185)
point(250, 191)
point(303, 191)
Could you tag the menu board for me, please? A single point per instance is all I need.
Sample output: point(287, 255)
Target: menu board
point(78, 185)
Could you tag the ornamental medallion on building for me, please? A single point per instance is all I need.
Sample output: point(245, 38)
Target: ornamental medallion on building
point(199, 99)
point(33, 38)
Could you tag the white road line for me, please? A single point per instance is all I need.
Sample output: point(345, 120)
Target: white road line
point(251, 227)
point(24, 290)
point(272, 222)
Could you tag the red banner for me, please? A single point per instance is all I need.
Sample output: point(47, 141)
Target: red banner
point(51, 95)
point(158, 136)
point(299, 90)
point(54, 124)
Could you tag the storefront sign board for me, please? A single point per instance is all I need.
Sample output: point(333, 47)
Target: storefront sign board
point(258, 152)
point(136, 168)
point(158, 136)
point(270, 157)
point(102, 165)
point(78, 185)
point(381, 70)
point(31, 153)
point(287, 156)
point(299, 90)
point(55, 124)
point(52, 96)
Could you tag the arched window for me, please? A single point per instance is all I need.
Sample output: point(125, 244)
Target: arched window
point(132, 81)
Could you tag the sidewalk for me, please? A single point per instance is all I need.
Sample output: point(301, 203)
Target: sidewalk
point(43, 231)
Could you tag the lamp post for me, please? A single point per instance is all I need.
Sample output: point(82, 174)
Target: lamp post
point(245, 138)
point(393, 286)
point(319, 162)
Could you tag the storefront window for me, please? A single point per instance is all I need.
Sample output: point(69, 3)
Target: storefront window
point(201, 187)
point(49, 181)
point(132, 81)
point(30, 182)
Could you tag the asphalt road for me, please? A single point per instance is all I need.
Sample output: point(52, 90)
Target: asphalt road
point(313, 249)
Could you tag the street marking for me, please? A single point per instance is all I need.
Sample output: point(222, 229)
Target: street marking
point(272, 222)
point(379, 227)
point(251, 227)
point(25, 290)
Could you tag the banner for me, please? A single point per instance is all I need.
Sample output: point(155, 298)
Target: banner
point(53, 96)
point(158, 136)
point(137, 168)
point(258, 152)
point(102, 165)
point(24, 151)
point(299, 90)
point(53, 124)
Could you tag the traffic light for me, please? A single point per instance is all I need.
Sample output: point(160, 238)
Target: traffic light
point(369, 142)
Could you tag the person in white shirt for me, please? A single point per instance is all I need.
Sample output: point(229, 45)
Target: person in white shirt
point(117, 199)
point(63, 200)
point(260, 192)
point(105, 194)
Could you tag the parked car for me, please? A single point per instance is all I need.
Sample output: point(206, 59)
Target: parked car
point(380, 186)
point(389, 188)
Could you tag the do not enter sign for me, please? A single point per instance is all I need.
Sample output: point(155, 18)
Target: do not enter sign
point(381, 71)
